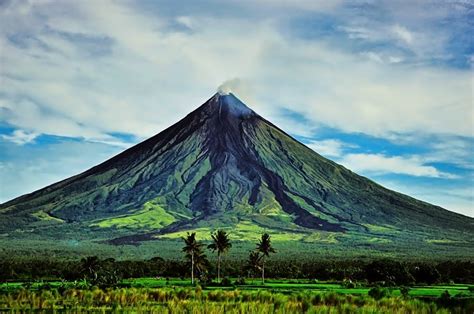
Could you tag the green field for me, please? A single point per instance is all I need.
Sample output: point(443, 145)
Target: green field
point(298, 285)
point(176, 295)
point(279, 285)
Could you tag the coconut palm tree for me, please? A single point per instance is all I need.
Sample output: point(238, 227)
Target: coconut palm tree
point(193, 250)
point(254, 263)
point(264, 246)
point(220, 244)
point(201, 264)
point(90, 267)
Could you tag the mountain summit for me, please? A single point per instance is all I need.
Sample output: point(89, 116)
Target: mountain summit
point(224, 166)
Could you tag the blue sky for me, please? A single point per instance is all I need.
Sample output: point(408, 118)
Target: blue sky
point(383, 87)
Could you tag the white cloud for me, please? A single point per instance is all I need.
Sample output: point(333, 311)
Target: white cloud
point(395, 59)
point(285, 5)
point(460, 200)
point(457, 151)
point(403, 34)
point(381, 164)
point(185, 21)
point(151, 76)
point(88, 70)
point(20, 137)
point(329, 148)
point(373, 56)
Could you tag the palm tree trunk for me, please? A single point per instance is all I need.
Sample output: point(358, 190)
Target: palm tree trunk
point(218, 267)
point(192, 268)
point(263, 270)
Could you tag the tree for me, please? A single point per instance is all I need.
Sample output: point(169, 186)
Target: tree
point(254, 263)
point(102, 273)
point(264, 246)
point(201, 264)
point(220, 244)
point(90, 267)
point(193, 250)
point(388, 272)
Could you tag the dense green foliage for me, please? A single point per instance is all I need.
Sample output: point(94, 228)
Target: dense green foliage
point(383, 272)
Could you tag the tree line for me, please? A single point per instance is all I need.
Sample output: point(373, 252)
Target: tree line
point(104, 272)
point(221, 245)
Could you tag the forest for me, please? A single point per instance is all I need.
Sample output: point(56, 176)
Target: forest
point(257, 284)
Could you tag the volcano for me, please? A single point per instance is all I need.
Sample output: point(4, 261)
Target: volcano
point(224, 166)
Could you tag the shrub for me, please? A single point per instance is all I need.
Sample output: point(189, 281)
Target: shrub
point(445, 295)
point(332, 299)
point(404, 292)
point(426, 273)
point(226, 282)
point(360, 300)
point(389, 271)
point(240, 281)
point(317, 299)
point(198, 290)
point(378, 293)
point(347, 283)
point(445, 298)
point(305, 305)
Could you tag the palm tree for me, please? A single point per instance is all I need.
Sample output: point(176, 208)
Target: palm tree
point(89, 267)
point(193, 250)
point(221, 244)
point(254, 263)
point(264, 246)
point(201, 264)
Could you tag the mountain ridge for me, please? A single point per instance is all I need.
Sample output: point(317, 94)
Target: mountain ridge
point(224, 165)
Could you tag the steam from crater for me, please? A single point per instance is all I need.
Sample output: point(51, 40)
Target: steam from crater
point(243, 88)
point(234, 86)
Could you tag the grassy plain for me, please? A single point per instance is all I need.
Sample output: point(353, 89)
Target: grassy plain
point(276, 296)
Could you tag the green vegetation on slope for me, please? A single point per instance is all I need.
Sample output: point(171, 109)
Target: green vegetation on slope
point(152, 216)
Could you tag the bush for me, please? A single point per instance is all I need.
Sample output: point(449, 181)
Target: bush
point(317, 299)
point(404, 291)
point(378, 293)
point(305, 305)
point(240, 281)
point(347, 283)
point(226, 282)
point(426, 273)
point(445, 295)
point(389, 271)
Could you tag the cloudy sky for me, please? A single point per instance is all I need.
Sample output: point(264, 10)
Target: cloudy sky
point(383, 87)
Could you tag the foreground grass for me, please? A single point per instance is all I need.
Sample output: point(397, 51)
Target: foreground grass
point(277, 296)
point(197, 300)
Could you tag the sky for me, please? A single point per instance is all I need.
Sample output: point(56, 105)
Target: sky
point(384, 88)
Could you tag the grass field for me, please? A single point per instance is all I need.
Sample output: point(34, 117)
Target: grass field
point(274, 285)
point(276, 296)
point(298, 285)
